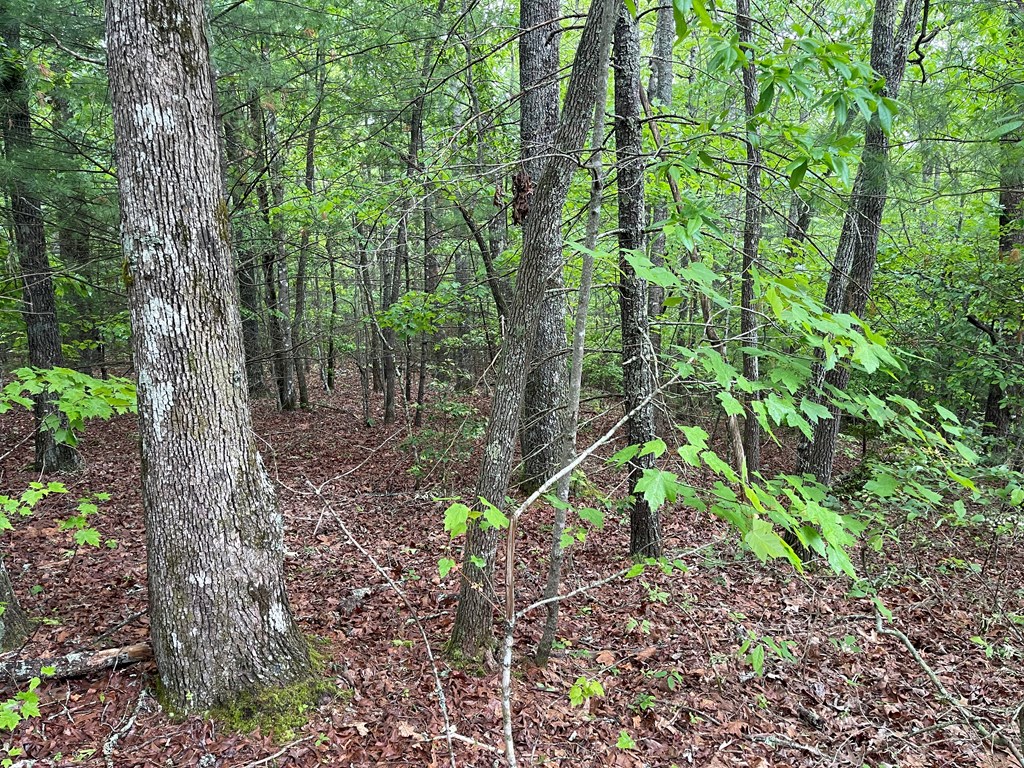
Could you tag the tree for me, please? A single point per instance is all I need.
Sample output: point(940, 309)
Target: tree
point(39, 302)
point(853, 269)
point(544, 407)
point(637, 352)
point(220, 620)
point(751, 230)
point(472, 631)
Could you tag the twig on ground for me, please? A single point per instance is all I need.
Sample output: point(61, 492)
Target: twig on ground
point(438, 687)
point(279, 753)
point(969, 717)
point(111, 743)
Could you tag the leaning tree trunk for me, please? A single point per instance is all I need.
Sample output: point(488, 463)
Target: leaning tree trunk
point(40, 303)
point(637, 353)
point(472, 631)
point(849, 285)
point(567, 449)
point(751, 234)
point(544, 406)
point(220, 621)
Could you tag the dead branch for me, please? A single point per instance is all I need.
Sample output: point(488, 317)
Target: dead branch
point(78, 664)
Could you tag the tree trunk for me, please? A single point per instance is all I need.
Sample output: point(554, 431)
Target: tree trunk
point(220, 621)
point(471, 632)
point(567, 446)
point(751, 234)
point(544, 406)
point(40, 303)
point(248, 285)
point(14, 623)
point(280, 350)
point(275, 171)
point(389, 339)
point(849, 285)
point(637, 353)
point(301, 355)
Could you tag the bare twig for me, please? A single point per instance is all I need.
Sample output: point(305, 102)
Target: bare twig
point(111, 743)
point(969, 717)
point(438, 687)
point(279, 753)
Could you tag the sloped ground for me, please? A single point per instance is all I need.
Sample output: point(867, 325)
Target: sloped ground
point(664, 648)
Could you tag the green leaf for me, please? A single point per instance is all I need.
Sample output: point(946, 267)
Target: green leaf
point(625, 741)
point(456, 519)
point(593, 516)
point(444, 566)
point(657, 485)
point(764, 542)
point(619, 458)
point(883, 485)
point(88, 536)
point(493, 516)
point(732, 406)
point(656, 446)
point(636, 570)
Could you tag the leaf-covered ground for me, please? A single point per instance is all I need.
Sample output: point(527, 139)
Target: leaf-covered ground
point(664, 648)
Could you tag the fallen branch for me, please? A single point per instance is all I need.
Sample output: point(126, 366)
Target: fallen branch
point(78, 664)
point(969, 717)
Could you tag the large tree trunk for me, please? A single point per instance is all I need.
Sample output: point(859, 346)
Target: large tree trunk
point(40, 303)
point(220, 621)
point(471, 632)
point(751, 234)
point(544, 406)
point(637, 353)
point(853, 270)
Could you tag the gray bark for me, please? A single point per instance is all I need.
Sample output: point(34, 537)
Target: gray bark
point(853, 269)
point(544, 405)
point(637, 352)
point(39, 301)
point(472, 631)
point(568, 440)
point(220, 621)
point(14, 623)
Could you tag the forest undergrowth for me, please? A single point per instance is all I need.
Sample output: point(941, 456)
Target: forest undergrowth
point(732, 663)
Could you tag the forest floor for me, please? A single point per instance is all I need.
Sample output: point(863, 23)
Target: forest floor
point(665, 648)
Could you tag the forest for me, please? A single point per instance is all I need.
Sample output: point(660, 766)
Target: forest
point(478, 383)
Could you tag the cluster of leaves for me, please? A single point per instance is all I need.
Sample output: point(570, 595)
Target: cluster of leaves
point(78, 396)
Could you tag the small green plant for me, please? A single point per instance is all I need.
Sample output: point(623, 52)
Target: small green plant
point(755, 648)
point(644, 702)
point(79, 523)
point(642, 625)
point(625, 740)
point(583, 690)
point(846, 644)
point(673, 678)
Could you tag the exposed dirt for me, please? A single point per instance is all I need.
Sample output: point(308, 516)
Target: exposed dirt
point(663, 647)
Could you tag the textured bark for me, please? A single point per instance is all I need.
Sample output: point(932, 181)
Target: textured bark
point(751, 234)
point(849, 285)
point(472, 631)
point(14, 623)
point(568, 441)
point(39, 302)
point(220, 621)
point(544, 406)
point(301, 355)
point(271, 258)
point(797, 224)
point(637, 353)
point(248, 285)
point(78, 664)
